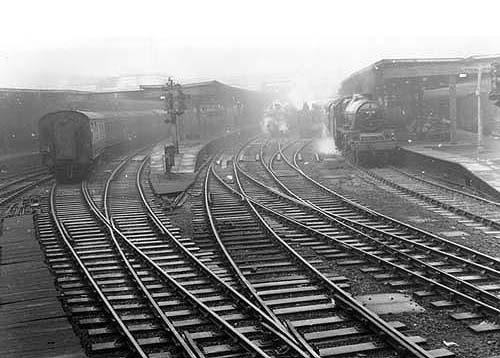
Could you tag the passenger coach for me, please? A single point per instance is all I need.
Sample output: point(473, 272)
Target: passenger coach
point(70, 141)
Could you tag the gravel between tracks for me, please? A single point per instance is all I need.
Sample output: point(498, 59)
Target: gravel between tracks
point(434, 325)
point(372, 194)
point(439, 327)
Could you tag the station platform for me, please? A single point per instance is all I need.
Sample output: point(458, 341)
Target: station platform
point(32, 321)
point(463, 162)
point(182, 174)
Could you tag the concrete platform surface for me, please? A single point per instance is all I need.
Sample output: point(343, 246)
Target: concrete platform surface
point(182, 174)
point(482, 161)
point(32, 322)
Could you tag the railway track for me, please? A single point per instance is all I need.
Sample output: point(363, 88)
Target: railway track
point(265, 335)
point(480, 213)
point(415, 255)
point(6, 177)
point(255, 279)
point(18, 185)
point(131, 285)
point(290, 282)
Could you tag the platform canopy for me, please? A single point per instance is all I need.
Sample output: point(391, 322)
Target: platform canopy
point(382, 77)
point(400, 84)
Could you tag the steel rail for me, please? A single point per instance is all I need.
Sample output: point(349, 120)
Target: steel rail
point(159, 312)
point(340, 221)
point(447, 188)
point(446, 289)
point(432, 200)
point(394, 237)
point(239, 274)
point(268, 322)
point(234, 267)
point(329, 239)
point(24, 189)
point(180, 198)
point(200, 305)
point(233, 332)
point(19, 179)
point(65, 236)
point(168, 324)
point(487, 259)
point(160, 272)
point(351, 225)
point(4, 177)
point(272, 174)
point(397, 340)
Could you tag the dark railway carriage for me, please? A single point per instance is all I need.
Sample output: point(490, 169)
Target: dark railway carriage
point(360, 128)
point(70, 141)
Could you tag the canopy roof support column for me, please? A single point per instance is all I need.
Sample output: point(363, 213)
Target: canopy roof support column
point(453, 107)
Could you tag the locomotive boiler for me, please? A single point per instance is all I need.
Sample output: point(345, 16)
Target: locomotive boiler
point(70, 141)
point(360, 128)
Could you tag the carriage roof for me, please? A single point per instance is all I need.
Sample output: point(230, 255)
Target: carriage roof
point(110, 115)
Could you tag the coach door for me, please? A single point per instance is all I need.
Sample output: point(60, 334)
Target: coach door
point(65, 139)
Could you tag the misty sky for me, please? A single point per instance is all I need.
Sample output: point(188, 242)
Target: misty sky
point(61, 44)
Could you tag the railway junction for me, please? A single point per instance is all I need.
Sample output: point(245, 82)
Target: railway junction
point(206, 220)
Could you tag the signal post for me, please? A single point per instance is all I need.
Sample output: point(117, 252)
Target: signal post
point(175, 106)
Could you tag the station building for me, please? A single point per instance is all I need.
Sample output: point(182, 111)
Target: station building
point(212, 106)
point(431, 94)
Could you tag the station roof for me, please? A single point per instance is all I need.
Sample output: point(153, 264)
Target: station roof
point(385, 70)
point(193, 87)
point(206, 91)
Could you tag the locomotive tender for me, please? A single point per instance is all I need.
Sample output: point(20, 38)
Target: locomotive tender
point(360, 129)
point(70, 140)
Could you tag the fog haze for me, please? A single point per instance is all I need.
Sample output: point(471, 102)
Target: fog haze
point(311, 44)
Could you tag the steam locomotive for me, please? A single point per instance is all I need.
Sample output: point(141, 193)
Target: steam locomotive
point(311, 121)
point(278, 119)
point(360, 129)
point(70, 141)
